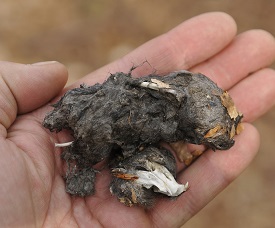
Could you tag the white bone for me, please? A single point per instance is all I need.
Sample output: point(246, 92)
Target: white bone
point(150, 85)
point(161, 180)
point(157, 87)
point(63, 144)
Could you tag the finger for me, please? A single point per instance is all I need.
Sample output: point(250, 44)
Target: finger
point(255, 95)
point(27, 87)
point(208, 176)
point(188, 44)
point(249, 52)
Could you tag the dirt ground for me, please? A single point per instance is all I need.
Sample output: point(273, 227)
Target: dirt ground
point(85, 35)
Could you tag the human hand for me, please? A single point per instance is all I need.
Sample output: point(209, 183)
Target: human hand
point(32, 189)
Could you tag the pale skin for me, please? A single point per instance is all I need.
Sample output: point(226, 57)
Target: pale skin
point(32, 192)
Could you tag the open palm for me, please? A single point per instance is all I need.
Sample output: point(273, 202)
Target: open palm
point(32, 191)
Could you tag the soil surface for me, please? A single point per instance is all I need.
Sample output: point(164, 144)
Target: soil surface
point(85, 35)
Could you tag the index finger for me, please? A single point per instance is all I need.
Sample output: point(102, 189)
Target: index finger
point(188, 44)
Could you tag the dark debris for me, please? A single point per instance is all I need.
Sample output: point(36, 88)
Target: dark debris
point(130, 115)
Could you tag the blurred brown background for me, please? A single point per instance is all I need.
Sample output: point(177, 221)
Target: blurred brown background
point(85, 35)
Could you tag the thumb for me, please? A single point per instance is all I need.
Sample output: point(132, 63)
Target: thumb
point(24, 88)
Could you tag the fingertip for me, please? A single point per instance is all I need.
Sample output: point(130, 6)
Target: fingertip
point(221, 20)
point(251, 104)
point(221, 17)
point(52, 70)
point(33, 85)
point(46, 80)
point(202, 37)
point(263, 34)
point(267, 39)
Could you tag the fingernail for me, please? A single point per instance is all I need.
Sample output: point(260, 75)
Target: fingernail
point(44, 63)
